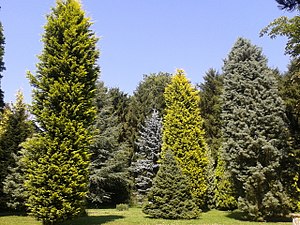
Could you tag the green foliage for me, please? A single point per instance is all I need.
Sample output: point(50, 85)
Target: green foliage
point(210, 106)
point(184, 135)
point(290, 93)
point(170, 196)
point(2, 67)
point(58, 158)
point(224, 193)
point(254, 132)
point(122, 207)
point(109, 175)
point(15, 127)
point(147, 96)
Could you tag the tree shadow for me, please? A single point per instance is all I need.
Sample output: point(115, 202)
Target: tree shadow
point(93, 220)
point(237, 215)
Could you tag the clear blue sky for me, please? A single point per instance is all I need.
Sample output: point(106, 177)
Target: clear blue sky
point(144, 36)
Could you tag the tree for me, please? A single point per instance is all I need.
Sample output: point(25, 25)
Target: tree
point(224, 192)
point(109, 179)
point(184, 135)
point(147, 96)
point(210, 106)
point(290, 93)
point(58, 158)
point(15, 128)
point(289, 28)
point(170, 196)
point(254, 132)
point(2, 67)
point(149, 143)
point(289, 5)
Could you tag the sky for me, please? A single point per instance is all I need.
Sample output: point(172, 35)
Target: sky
point(140, 37)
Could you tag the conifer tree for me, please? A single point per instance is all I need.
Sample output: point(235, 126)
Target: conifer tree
point(210, 106)
point(170, 196)
point(254, 132)
point(58, 158)
point(109, 179)
point(15, 128)
point(147, 96)
point(149, 144)
point(224, 196)
point(2, 67)
point(290, 93)
point(184, 135)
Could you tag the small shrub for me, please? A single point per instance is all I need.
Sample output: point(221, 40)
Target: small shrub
point(122, 207)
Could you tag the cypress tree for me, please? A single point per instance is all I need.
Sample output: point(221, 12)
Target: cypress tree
point(170, 196)
point(149, 144)
point(2, 67)
point(184, 135)
point(58, 158)
point(254, 132)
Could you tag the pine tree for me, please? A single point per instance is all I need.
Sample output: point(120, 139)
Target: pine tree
point(109, 179)
point(15, 128)
point(58, 158)
point(170, 196)
point(149, 144)
point(254, 132)
point(2, 67)
point(184, 135)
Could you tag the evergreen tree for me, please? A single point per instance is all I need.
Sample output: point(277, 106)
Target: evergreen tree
point(170, 196)
point(15, 128)
point(147, 96)
point(109, 179)
point(149, 144)
point(57, 160)
point(283, 26)
point(2, 67)
point(184, 135)
point(254, 132)
point(290, 93)
point(224, 196)
point(210, 106)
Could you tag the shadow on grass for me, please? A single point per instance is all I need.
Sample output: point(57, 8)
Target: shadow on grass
point(237, 215)
point(93, 220)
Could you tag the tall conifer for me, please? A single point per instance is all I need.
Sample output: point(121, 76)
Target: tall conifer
point(64, 88)
point(184, 135)
point(254, 132)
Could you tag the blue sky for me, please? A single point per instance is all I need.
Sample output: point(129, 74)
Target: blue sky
point(143, 36)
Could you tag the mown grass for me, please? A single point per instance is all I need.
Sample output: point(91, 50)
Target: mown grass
point(135, 216)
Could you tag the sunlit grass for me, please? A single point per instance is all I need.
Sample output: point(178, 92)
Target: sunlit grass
point(135, 216)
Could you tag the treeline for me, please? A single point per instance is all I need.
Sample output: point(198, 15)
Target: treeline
point(174, 148)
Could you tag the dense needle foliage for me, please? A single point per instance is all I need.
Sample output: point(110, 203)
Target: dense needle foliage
point(64, 87)
point(184, 135)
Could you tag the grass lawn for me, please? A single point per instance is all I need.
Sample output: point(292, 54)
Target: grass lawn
point(135, 216)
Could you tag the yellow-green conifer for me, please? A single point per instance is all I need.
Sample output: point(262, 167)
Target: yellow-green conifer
point(184, 135)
